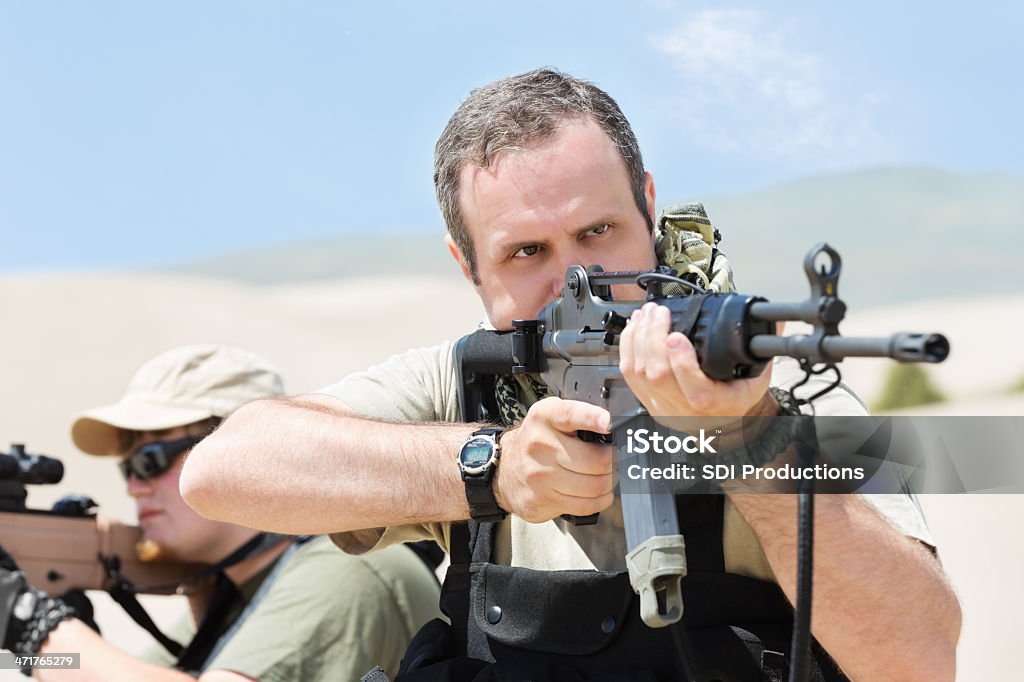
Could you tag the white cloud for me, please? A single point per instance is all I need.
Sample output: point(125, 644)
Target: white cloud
point(746, 89)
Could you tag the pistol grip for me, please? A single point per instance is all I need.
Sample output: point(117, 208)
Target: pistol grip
point(581, 520)
point(588, 437)
point(594, 437)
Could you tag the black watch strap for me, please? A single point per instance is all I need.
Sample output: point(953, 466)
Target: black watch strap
point(483, 506)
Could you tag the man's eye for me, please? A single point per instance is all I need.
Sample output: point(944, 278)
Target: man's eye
point(526, 251)
point(600, 229)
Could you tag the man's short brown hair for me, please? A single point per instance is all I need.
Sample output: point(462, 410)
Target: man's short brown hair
point(512, 113)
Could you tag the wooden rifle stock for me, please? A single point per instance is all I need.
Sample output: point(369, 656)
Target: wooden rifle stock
point(59, 553)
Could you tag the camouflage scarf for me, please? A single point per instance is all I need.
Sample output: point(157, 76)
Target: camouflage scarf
point(686, 242)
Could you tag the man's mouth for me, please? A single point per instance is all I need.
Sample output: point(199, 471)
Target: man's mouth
point(145, 514)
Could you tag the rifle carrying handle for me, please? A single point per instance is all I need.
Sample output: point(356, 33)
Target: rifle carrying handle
point(589, 437)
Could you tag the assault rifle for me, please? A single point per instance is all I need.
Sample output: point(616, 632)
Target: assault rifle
point(573, 346)
point(70, 546)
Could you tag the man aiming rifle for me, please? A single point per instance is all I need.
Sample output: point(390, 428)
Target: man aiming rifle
point(267, 606)
point(534, 174)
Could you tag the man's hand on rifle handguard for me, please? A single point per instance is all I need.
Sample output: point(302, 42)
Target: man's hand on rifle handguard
point(662, 370)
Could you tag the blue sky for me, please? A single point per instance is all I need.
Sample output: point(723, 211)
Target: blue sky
point(136, 134)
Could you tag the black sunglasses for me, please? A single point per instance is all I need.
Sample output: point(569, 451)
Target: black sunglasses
point(154, 459)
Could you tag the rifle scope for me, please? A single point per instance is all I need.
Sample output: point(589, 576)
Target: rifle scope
point(29, 468)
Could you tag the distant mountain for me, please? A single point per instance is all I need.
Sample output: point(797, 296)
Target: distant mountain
point(331, 258)
point(903, 233)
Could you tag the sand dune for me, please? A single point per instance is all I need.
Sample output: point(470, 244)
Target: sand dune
point(71, 341)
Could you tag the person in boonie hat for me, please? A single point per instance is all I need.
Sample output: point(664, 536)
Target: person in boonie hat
point(171, 403)
point(265, 606)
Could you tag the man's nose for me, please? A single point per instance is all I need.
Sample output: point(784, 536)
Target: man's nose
point(560, 265)
point(137, 487)
point(557, 284)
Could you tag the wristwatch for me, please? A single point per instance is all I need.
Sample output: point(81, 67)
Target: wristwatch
point(478, 459)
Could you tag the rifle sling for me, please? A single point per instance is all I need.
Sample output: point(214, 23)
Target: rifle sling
point(125, 597)
point(123, 591)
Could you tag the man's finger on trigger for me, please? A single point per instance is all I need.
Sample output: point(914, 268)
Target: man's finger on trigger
point(575, 415)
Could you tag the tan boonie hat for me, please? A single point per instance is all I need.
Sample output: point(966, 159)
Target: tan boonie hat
point(178, 387)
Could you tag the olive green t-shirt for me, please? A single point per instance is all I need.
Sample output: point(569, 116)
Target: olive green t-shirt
point(420, 386)
point(326, 616)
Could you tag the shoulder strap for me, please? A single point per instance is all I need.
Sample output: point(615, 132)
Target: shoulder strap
point(701, 521)
point(127, 600)
point(428, 552)
point(123, 591)
point(470, 542)
point(197, 652)
point(215, 631)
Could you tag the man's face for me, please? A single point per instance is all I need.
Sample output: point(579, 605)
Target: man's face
point(533, 213)
point(165, 518)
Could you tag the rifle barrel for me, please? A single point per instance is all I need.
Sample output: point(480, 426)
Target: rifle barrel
point(905, 347)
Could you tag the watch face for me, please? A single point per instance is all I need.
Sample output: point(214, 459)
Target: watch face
point(476, 453)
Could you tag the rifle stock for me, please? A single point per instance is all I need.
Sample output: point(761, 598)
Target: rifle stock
point(60, 553)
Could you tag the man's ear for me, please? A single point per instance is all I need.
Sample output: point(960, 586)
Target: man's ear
point(649, 195)
point(456, 252)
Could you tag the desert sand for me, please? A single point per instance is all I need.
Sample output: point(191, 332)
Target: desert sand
point(70, 342)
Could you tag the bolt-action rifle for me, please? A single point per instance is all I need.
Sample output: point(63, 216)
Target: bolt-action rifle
point(573, 347)
point(70, 546)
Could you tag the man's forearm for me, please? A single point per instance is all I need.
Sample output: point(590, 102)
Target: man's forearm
point(99, 661)
point(306, 465)
point(881, 606)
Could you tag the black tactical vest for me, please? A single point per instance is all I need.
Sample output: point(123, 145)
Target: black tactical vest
point(547, 626)
point(517, 624)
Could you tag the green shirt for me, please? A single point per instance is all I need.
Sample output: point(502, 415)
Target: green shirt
point(327, 615)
